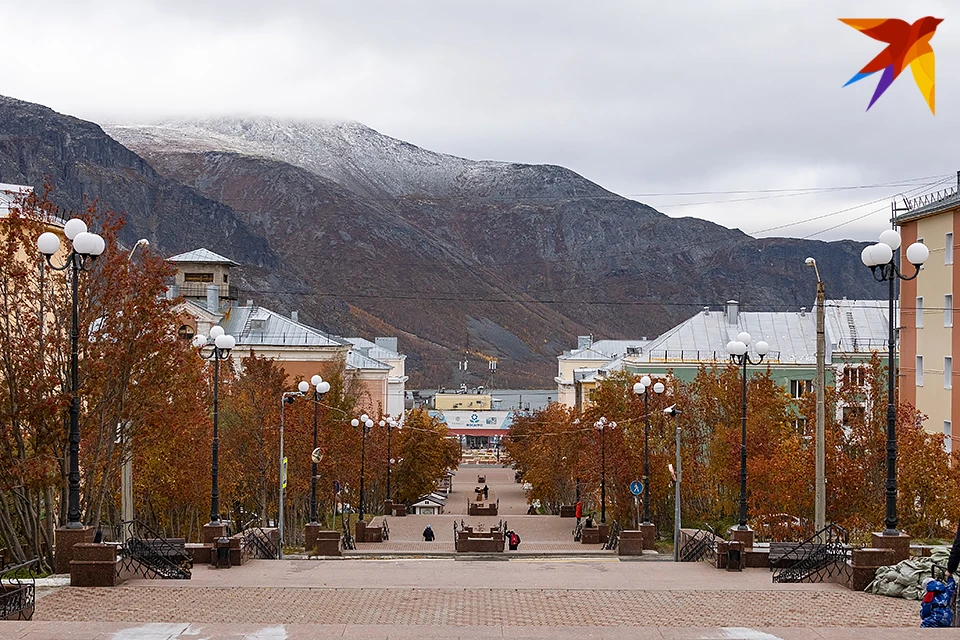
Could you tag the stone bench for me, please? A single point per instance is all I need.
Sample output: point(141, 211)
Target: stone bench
point(474, 542)
point(568, 511)
point(482, 509)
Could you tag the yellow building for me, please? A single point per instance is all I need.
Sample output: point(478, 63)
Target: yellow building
point(463, 401)
point(928, 341)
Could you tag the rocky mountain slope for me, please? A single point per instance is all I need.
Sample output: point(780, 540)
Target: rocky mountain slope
point(363, 233)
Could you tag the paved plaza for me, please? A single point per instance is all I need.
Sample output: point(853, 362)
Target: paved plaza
point(532, 594)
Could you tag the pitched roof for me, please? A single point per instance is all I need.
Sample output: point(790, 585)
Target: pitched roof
point(373, 350)
point(857, 326)
point(357, 360)
point(9, 194)
point(253, 325)
point(202, 255)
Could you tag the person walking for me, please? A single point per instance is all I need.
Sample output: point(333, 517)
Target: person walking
point(428, 535)
point(486, 492)
point(513, 540)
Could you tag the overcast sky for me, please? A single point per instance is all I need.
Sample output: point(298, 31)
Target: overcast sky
point(648, 99)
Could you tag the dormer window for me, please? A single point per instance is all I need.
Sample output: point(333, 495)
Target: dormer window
point(225, 277)
point(198, 277)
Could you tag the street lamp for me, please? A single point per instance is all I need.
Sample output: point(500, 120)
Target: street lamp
point(602, 425)
point(320, 387)
point(673, 411)
point(880, 258)
point(287, 398)
point(391, 424)
point(86, 248)
point(217, 350)
point(642, 388)
point(739, 356)
point(365, 424)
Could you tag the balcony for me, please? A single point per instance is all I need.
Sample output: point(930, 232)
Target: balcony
point(199, 290)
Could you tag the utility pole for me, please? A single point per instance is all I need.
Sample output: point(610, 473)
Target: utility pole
point(820, 490)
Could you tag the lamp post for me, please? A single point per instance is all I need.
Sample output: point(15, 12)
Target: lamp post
point(365, 424)
point(739, 356)
point(602, 425)
point(287, 398)
point(217, 350)
point(673, 411)
point(820, 490)
point(880, 258)
point(320, 388)
point(86, 248)
point(391, 424)
point(642, 388)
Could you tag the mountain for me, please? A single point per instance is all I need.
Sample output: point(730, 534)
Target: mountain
point(363, 233)
point(81, 161)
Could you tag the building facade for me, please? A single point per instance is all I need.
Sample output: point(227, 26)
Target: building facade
point(928, 341)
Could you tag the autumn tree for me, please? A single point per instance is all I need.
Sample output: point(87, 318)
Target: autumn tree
point(425, 453)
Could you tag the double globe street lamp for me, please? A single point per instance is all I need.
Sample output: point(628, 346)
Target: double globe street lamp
point(880, 258)
point(365, 424)
point(602, 425)
point(642, 388)
point(216, 347)
point(320, 388)
point(86, 248)
point(739, 356)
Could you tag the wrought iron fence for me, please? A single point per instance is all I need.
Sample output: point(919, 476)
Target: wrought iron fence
point(385, 528)
point(700, 546)
point(18, 590)
point(613, 538)
point(820, 557)
point(145, 552)
point(578, 532)
point(258, 543)
point(347, 542)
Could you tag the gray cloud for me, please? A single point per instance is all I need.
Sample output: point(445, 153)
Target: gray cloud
point(643, 98)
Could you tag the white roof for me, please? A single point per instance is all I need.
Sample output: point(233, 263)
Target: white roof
point(373, 350)
point(704, 337)
point(356, 360)
point(8, 195)
point(858, 326)
point(603, 350)
point(202, 255)
point(253, 325)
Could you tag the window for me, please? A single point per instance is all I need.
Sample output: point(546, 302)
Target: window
point(198, 277)
point(948, 250)
point(226, 278)
point(800, 387)
point(854, 376)
point(948, 432)
point(948, 310)
point(919, 371)
point(947, 372)
point(919, 312)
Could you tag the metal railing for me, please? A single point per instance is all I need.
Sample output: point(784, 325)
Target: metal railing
point(700, 355)
point(199, 290)
point(145, 552)
point(700, 546)
point(929, 198)
point(821, 556)
point(613, 537)
point(385, 529)
point(578, 532)
point(257, 542)
point(18, 590)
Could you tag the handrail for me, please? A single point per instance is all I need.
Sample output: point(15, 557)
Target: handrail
point(18, 593)
point(613, 537)
point(257, 539)
point(818, 557)
point(146, 552)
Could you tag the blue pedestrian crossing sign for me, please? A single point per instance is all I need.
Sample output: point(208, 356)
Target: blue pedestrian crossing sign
point(636, 487)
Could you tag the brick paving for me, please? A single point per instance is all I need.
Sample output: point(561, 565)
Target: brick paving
point(478, 607)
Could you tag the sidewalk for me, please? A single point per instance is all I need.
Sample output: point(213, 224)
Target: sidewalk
point(184, 631)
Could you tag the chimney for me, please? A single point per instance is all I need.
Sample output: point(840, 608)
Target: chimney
point(295, 316)
point(706, 311)
point(733, 308)
point(803, 311)
point(584, 341)
point(213, 298)
point(390, 344)
point(249, 303)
